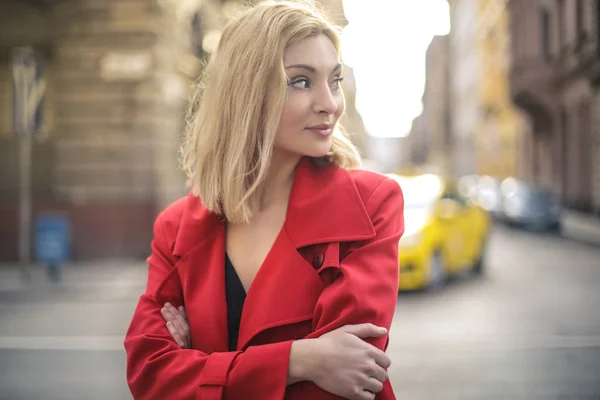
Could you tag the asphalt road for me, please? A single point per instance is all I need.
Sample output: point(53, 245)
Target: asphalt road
point(528, 329)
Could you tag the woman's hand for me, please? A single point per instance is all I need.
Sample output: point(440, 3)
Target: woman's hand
point(177, 324)
point(342, 363)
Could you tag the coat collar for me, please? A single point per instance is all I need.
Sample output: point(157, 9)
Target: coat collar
point(324, 206)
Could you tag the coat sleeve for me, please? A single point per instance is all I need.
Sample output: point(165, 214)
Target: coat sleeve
point(157, 368)
point(366, 289)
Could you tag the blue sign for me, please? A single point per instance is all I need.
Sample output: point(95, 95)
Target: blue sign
point(52, 237)
point(28, 91)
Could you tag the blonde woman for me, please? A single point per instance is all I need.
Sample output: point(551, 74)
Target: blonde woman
point(284, 255)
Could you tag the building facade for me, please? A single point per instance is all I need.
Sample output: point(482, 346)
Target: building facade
point(352, 121)
point(501, 124)
point(115, 95)
point(118, 77)
point(416, 149)
point(555, 79)
point(436, 105)
point(465, 76)
point(469, 123)
point(485, 127)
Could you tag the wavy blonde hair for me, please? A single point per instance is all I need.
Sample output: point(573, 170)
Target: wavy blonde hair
point(237, 107)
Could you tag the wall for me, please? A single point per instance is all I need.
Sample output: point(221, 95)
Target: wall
point(465, 72)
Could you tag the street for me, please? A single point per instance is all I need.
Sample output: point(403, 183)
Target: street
point(528, 329)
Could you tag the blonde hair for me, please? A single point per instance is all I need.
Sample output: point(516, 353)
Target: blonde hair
point(236, 111)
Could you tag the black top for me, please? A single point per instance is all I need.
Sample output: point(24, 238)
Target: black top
point(235, 296)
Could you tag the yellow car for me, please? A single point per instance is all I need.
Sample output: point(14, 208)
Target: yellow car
point(444, 233)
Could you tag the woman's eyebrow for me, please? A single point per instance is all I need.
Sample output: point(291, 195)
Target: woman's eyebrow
point(311, 68)
point(304, 66)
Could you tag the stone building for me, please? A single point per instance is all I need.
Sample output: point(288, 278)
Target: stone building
point(465, 78)
point(555, 79)
point(502, 124)
point(116, 82)
point(436, 105)
point(118, 75)
point(416, 146)
point(485, 126)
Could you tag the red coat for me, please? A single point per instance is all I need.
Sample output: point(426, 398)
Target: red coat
point(334, 263)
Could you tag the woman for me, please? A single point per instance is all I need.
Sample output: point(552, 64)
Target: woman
point(277, 222)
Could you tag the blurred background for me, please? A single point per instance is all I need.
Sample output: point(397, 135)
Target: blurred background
point(486, 111)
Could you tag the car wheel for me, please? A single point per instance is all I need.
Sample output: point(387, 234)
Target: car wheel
point(479, 264)
point(437, 272)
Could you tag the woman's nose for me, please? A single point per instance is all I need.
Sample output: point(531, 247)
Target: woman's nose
point(325, 101)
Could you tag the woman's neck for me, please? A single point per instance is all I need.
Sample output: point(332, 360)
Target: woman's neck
point(277, 186)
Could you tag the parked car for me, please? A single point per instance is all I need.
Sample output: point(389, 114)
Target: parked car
point(530, 206)
point(489, 195)
point(468, 187)
point(444, 232)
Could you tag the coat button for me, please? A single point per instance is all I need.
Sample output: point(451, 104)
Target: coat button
point(317, 260)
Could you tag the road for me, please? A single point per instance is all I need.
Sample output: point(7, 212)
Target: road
point(528, 329)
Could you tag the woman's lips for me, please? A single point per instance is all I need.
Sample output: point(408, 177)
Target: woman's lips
point(321, 130)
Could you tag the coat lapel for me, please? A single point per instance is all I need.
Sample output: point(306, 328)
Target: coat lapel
point(325, 207)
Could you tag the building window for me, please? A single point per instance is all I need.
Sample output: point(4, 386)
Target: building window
point(546, 34)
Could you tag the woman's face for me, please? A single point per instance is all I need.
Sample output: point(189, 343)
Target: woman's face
point(315, 101)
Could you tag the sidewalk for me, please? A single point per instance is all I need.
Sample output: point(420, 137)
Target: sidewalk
point(581, 227)
point(90, 274)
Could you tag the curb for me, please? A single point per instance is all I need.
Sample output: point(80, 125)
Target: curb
point(582, 227)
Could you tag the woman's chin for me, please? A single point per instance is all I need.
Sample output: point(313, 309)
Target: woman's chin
point(318, 151)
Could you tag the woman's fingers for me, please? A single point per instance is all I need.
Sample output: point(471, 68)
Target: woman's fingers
point(375, 371)
point(176, 335)
point(182, 311)
point(364, 395)
point(181, 321)
point(179, 326)
point(182, 325)
point(373, 385)
point(382, 359)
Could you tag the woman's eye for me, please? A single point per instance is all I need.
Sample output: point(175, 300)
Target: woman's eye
point(303, 83)
point(299, 83)
point(337, 82)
